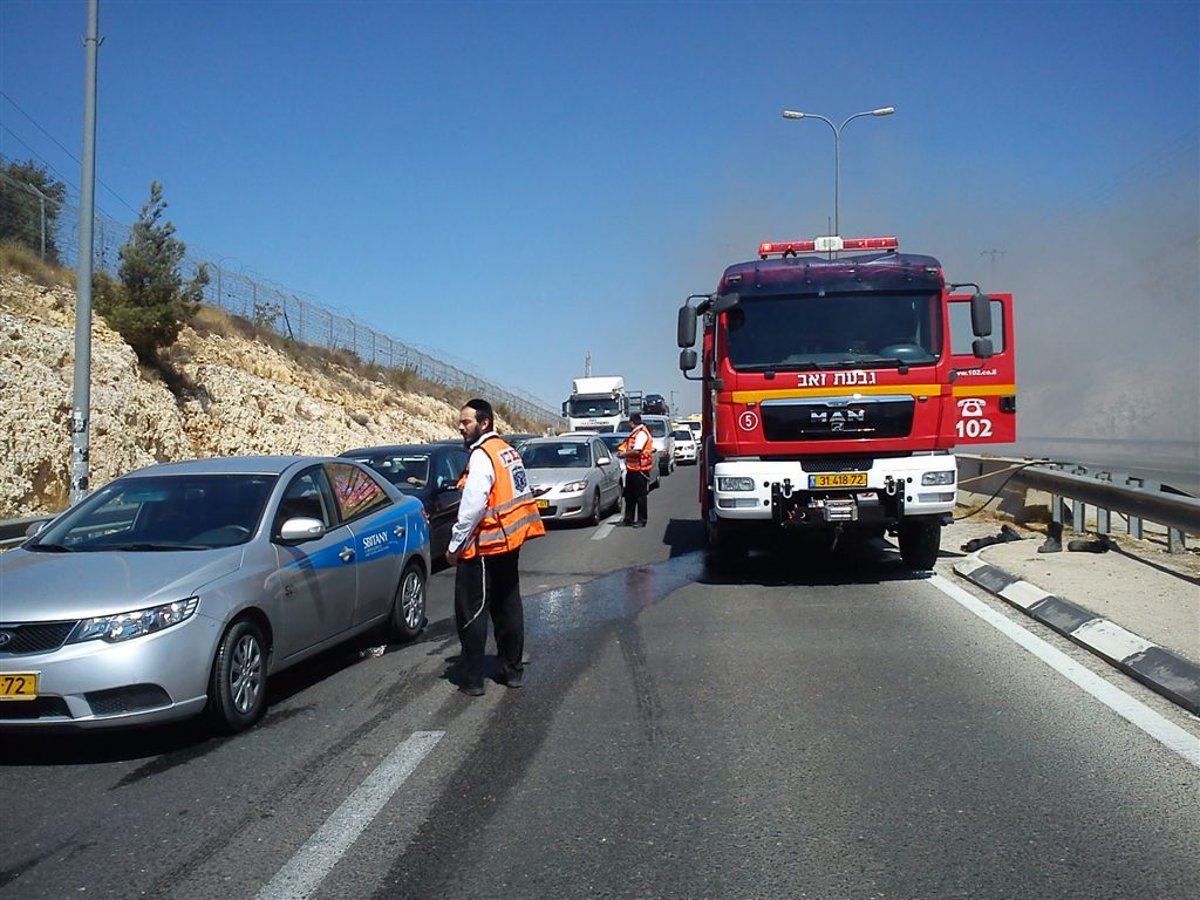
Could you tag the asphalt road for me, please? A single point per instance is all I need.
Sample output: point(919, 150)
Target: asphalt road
point(822, 725)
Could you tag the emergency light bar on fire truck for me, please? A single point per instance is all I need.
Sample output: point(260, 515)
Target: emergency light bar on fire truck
point(828, 244)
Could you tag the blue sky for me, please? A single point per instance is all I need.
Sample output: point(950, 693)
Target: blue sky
point(516, 184)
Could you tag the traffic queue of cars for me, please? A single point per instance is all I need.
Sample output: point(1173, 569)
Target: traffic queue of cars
point(177, 590)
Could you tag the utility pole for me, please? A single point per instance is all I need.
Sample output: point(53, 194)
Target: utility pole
point(587, 364)
point(81, 403)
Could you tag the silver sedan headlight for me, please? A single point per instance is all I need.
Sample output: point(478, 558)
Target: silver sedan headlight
point(123, 626)
point(573, 487)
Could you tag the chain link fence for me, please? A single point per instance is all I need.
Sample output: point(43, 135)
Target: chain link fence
point(54, 228)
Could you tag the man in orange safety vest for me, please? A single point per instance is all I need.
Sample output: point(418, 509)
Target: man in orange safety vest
point(638, 452)
point(496, 515)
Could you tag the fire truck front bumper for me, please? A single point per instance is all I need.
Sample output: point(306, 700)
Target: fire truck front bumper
point(796, 493)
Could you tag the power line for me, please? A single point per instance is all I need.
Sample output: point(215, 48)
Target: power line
point(71, 189)
point(60, 147)
point(34, 153)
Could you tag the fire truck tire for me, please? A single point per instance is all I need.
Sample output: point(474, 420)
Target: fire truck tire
point(726, 549)
point(919, 543)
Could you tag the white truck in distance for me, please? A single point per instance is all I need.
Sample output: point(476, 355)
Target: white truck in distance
point(596, 403)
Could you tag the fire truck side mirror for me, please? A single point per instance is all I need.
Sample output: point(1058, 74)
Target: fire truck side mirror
point(981, 317)
point(982, 348)
point(686, 329)
point(687, 360)
point(724, 303)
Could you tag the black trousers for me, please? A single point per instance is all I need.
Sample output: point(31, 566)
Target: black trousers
point(637, 486)
point(483, 586)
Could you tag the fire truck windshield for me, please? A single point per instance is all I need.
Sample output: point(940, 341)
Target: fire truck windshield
point(805, 331)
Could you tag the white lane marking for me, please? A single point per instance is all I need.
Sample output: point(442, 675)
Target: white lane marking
point(606, 528)
point(320, 853)
point(1134, 711)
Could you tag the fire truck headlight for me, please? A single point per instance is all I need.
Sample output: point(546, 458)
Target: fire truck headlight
point(938, 477)
point(726, 483)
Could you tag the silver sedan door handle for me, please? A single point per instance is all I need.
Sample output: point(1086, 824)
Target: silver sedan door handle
point(346, 555)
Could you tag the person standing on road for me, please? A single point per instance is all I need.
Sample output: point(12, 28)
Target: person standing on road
point(496, 515)
point(638, 452)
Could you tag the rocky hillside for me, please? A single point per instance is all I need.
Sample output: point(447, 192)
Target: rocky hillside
point(243, 397)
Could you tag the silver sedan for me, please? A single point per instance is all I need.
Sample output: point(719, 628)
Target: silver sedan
point(573, 477)
point(178, 589)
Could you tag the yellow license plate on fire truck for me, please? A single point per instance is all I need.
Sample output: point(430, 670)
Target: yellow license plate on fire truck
point(838, 480)
point(18, 685)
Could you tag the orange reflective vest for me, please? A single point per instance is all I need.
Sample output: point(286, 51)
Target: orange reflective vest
point(511, 516)
point(644, 461)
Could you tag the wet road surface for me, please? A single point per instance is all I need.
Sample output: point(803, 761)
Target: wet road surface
point(818, 726)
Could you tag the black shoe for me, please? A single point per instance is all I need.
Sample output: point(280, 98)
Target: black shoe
point(471, 690)
point(639, 524)
point(627, 524)
point(514, 678)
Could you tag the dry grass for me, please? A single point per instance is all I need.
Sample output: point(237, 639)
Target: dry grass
point(20, 259)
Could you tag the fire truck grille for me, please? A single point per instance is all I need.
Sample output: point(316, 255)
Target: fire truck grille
point(831, 420)
point(821, 464)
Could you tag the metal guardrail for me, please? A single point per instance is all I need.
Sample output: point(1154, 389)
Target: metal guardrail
point(12, 531)
point(1073, 487)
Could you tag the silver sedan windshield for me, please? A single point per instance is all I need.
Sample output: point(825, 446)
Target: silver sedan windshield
point(564, 455)
point(169, 512)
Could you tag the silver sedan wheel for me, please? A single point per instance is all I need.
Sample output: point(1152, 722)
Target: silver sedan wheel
point(246, 673)
point(408, 608)
point(412, 597)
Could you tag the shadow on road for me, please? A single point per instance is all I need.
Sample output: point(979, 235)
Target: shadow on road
point(799, 562)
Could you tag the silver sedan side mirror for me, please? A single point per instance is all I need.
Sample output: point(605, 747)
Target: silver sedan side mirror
point(300, 529)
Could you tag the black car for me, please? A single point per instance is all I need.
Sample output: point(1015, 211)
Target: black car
point(516, 439)
point(429, 472)
point(655, 405)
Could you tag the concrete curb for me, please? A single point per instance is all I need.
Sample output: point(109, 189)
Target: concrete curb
point(1161, 670)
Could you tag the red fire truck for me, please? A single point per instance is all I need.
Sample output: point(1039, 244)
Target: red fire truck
point(838, 376)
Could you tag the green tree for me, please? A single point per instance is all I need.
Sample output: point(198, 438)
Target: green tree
point(150, 302)
point(21, 207)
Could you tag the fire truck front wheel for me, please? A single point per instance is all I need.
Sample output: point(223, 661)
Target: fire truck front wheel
point(726, 546)
point(919, 539)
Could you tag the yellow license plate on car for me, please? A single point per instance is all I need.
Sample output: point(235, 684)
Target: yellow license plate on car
point(838, 480)
point(543, 504)
point(18, 685)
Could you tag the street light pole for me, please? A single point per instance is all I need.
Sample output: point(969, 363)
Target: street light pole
point(837, 150)
point(81, 401)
